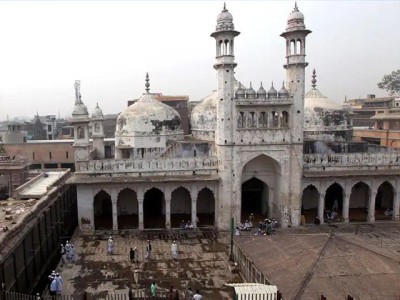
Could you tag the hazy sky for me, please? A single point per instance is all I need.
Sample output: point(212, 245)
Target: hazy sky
point(108, 45)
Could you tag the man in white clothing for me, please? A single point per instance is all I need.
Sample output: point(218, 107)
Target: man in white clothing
point(174, 250)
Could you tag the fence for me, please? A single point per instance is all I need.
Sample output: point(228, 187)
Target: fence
point(131, 295)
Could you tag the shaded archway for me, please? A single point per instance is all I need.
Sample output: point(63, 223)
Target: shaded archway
point(333, 201)
point(383, 201)
point(154, 209)
point(261, 179)
point(181, 207)
point(359, 200)
point(309, 203)
point(205, 208)
point(127, 209)
point(255, 195)
point(102, 208)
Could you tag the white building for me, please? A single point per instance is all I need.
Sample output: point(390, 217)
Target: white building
point(245, 155)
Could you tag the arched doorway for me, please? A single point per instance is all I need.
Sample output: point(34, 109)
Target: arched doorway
point(154, 209)
point(359, 200)
point(261, 178)
point(309, 203)
point(255, 195)
point(383, 201)
point(102, 208)
point(205, 208)
point(181, 207)
point(127, 209)
point(333, 202)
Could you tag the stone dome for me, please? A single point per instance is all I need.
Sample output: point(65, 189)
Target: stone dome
point(224, 20)
point(203, 119)
point(261, 91)
point(295, 20)
point(80, 110)
point(251, 93)
point(272, 93)
point(97, 113)
point(147, 123)
point(325, 119)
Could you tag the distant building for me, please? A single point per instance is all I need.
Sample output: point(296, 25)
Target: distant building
point(15, 133)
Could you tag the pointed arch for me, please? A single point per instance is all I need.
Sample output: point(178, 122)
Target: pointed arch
point(205, 207)
point(309, 203)
point(333, 201)
point(102, 210)
point(384, 201)
point(359, 202)
point(154, 208)
point(181, 206)
point(127, 209)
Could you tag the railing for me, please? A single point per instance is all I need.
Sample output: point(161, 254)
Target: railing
point(351, 159)
point(129, 295)
point(148, 165)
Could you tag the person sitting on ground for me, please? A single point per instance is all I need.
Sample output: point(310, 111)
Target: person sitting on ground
point(261, 225)
point(274, 224)
point(240, 226)
point(189, 225)
point(317, 221)
point(268, 230)
point(388, 212)
point(247, 225)
point(258, 232)
point(183, 225)
point(237, 231)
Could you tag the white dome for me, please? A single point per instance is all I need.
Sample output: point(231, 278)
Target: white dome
point(295, 20)
point(147, 117)
point(97, 113)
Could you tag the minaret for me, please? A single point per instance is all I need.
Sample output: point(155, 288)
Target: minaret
point(225, 64)
point(98, 131)
point(295, 36)
point(80, 120)
point(226, 115)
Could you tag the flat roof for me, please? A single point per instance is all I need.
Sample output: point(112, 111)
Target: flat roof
point(40, 187)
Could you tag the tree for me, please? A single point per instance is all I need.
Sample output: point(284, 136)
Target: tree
point(391, 83)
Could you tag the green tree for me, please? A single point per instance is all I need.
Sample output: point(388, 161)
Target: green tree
point(391, 83)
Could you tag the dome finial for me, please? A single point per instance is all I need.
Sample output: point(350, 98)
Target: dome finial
point(313, 81)
point(224, 7)
point(295, 6)
point(147, 85)
point(261, 86)
point(250, 85)
point(77, 87)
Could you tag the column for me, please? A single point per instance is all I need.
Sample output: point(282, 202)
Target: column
point(114, 214)
point(168, 211)
point(396, 204)
point(371, 206)
point(140, 204)
point(346, 205)
point(321, 207)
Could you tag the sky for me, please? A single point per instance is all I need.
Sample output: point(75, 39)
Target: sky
point(110, 45)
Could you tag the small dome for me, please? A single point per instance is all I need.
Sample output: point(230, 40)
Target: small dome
point(283, 92)
point(251, 93)
point(295, 20)
point(240, 91)
point(272, 93)
point(80, 110)
point(97, 113)
point(261, 91)
point(225, 20)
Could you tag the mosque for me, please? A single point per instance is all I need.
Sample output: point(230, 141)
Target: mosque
point(280, 154)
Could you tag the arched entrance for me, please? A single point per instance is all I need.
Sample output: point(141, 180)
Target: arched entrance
point(255, 194)
point(384, 201)
point(154, 209)
point(205, 208)
point(261, 179)
point(309, 203)
point(4, 187)
point(333, 202)
point(127, 209)
point(102, 208)
point(181, 207)
point(359, 200)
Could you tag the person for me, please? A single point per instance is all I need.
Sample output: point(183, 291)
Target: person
point(183, 226)
point(59, 284)
point(148, 250)
point(174, 249)
point(388, 212)
point(197, 296)
point(237, 231)
point(335, 206)
point(171, 292)
point(269, 227)
point(73, 254)
point(189, 294)
point(132, 255)
point(153, 290)
point(251, 217)
point(67, 251)
point(136, 277)
point(189, 225)
point(53, 287)
point(110, 246)
point(317, 221)
point(247, 225)
point(63, 256)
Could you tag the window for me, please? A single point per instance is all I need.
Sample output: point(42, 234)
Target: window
point(50, 155)
point(66, 154)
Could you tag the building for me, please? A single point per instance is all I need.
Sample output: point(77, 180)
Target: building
point(245, 154)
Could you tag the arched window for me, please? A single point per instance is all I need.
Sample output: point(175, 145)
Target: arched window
point(240, 123)
point(275, 119)
point(220, 48)
point(80, 133)
point(285, 119)
point(292, 47)
point(226, 42)
point(299, 49)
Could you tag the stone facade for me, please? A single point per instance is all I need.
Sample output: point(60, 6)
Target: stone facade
point(245, 155)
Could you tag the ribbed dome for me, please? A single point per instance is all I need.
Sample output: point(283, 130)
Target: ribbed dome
point(97, 113)
point(251, 93)
point(283, 92)
point(261, 91)
point(272, 93)
point(240, 91)
point(224, 21)
point(295, 20)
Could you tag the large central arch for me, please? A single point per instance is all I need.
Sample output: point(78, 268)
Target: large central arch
point(154, 209)
point(102, 208)
point(181, 207)
point(359, 202)
point(260, 188)
point(309, 203)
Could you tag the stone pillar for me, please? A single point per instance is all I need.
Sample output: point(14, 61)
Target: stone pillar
point(321, 207)
point(193, 196)
point(140, 204)
point(168, 211)
point(371, 205)
point(396, 203)
point(114, 214)
point(346, 205)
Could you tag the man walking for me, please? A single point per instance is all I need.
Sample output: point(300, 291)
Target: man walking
point(63, 256)
point(153, 290)
point(174, 250)
point(148, 250)
point(110, 246)
point(132, 255)
point(197, 296)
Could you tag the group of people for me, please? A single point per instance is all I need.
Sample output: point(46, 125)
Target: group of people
point(186, 225)
point(173, 294)
point(55, 284)
point(264, 227)
point(68, 253)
